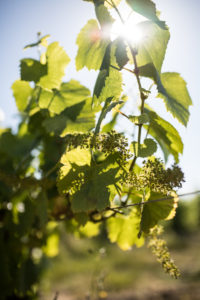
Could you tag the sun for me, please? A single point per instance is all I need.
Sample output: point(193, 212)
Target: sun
point(130, 30)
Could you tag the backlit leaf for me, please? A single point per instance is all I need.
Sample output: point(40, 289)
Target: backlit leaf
point(87, 183)
point(51, 249)
point(142, 119)
point(153, 46)
point(173, 90)
point(103, 16)
point(107, 107)
point(147, 149)
point(147, 8)
point(22, 93)
point(109, 80)
point(124, 230)
point(156, 211)
point(121, 53)
point(76, 156)
point(77, 118)
point(57, 60)
point(91, 46)
point(70, 93)
point(165, 134)
point(32, 70)
point(109, 126)
point(42, 41)
point(149, 71)
point(90, 229)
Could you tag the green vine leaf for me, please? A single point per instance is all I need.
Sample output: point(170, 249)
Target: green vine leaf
point(144, 150)
point(103, 74)
point(110, 126)
point(32, 70)
point(87, 183)
point(165, 134)
point(153, 47)
point(109, 80)
point(42, 41)
point(103, 16)
point(154, 212)
point(173, 90)
point(121, 53)
point(70, 93)
point(91, 46)
point(149, 71)
point(90, 229)
point(57, 60)
point(110, 86)
point(124, 230)
point(22, 93)
point(77, 118)
point(15, 147)
point(142, 119)
point(51, 248)
point(146, 8)
point(80, 157)
point(107, 108)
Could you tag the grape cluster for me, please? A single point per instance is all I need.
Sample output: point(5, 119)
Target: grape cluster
point(154, 176)
point(160, 250)
point(78, 140)
point(108, 143)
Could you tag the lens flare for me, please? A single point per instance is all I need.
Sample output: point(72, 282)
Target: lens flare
point(130, 30)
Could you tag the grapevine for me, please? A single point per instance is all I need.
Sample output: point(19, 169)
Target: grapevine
point(68, 163)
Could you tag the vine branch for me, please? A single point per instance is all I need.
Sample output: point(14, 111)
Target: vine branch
point(142, 96)
point(152, 201)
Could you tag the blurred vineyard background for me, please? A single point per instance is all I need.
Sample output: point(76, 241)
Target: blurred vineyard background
point(95, 269)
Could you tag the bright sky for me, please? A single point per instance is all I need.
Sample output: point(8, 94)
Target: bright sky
point(20, 20)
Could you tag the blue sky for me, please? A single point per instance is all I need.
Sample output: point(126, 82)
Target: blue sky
point(20, 20)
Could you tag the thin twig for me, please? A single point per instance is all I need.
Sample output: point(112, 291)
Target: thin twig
point(103, 218)
point(154, 200)
point(126, 69)
point(117, 11)
point(116, 68)
point(129, 70)
point(115, 210)
point(120, 112)
point(49, 172)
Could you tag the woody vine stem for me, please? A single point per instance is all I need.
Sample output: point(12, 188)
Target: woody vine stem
point(142, 96)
